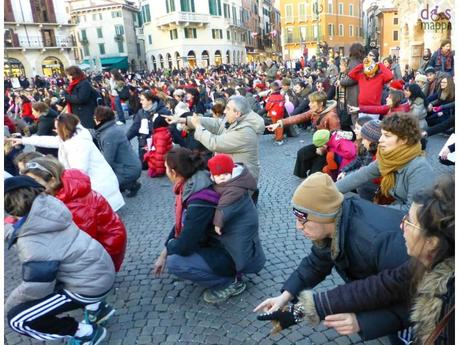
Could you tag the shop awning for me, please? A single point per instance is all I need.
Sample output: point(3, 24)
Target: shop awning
point(115, 62)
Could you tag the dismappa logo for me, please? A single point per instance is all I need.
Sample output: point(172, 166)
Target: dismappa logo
point(433, 19)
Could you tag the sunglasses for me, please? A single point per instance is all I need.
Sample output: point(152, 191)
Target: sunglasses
point(301, 216)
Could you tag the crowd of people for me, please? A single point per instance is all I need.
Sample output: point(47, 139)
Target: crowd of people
point(365, 178)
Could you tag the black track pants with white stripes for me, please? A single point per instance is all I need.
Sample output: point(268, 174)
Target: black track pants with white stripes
point(38, 319)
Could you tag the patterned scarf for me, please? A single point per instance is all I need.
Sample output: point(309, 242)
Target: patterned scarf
point(390, 162)
point(178, 190)
point(448, 60)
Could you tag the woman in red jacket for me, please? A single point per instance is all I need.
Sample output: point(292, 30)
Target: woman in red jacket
point(394, 103)
point(90, 211)
point(26, 109)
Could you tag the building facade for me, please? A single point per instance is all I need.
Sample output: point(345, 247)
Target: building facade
point(425, 27)
point(107, 34)
point(192, 33)
point(38, 38)
point(308, 24)
point(388, 32)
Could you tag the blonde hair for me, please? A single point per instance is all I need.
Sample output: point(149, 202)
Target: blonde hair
point(319, 97)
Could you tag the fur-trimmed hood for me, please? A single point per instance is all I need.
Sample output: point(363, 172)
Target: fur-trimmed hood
point(427, 306)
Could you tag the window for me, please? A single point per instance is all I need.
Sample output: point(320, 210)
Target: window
point(395, 21)
point(303, 33)
point(150, 40)
point(217, 34)
point(100, 16)
point(173, 34)
point(341, 30)
point(302, 12)
point(187, 5)
point(351, 30)
point(351, 9)
point(234, 15)
point(228, 35)
point(116, 14)
point(94, 17)
point(170, 6)
point(190, 33)
point(102, 48)
point(120, 46)
point(226, 11)
point(146, 13)
point(99, 33)
point(138, 49)
point(288, 13)
point(395, 36)
point(84, 18)
point(119, 30)
point(83, 35)
point(330, 30)
point(330, 7)
point(215, 7)
point(86, 50)
point(289, 35)
point(340, 8)
point(77, 20)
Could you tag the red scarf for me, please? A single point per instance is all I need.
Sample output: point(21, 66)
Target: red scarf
point(72, 84)
point(178, 190)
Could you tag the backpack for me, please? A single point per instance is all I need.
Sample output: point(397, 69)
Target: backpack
point(275, 106)
point(124, 93)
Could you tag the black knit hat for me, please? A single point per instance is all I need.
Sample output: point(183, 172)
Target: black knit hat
point(16, 182)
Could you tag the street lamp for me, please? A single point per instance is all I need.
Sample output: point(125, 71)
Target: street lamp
point(317, 11)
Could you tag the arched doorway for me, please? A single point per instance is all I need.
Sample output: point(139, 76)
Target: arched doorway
point(153, 63)
point(161, 61)
point(191, 59)
point(169, 60)
point(218, 57)
point(178, 60)
point(51, 65)
point(228, 56)
point(13, 68)
point(205, 58)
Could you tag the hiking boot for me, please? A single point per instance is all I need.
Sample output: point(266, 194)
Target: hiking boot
point(100, 315)
point(132, 192)
point(98, 334)
point(221, 295)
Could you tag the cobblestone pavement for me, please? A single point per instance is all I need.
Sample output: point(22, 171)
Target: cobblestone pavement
point(169, 311)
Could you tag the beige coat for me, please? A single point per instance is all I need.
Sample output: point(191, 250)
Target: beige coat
point(239, 140)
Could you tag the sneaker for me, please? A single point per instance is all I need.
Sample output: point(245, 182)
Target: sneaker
point(98, 334)
point(100, 315)
point(279, 143)
point(221, 295)
point(133, 191)
point(120, 123)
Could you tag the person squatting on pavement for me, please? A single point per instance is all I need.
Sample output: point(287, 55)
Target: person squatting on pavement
point(90, 211)
point(425, 282)
point(63, 268)
point(193, 250)
point(347, 234)
point(117, 151)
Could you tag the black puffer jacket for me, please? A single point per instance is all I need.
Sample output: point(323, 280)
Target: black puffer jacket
point(83, 101)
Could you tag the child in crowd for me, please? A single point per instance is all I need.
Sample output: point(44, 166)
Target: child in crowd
point(337, 147)
point(63, 268)
point(232, 182)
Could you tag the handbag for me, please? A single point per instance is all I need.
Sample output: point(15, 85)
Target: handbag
point(440, 327)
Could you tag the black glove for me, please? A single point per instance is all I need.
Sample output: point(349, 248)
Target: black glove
point(284, 318)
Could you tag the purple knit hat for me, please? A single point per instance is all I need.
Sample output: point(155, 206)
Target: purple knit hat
point(371, 131)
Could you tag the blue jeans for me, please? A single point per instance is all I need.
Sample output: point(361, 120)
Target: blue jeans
point(119, 109)
point(196, 269)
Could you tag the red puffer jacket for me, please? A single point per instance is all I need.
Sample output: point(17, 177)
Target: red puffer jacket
point(162, 141)
point(92, 214)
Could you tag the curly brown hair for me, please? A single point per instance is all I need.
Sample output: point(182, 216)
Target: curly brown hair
point(403, 125)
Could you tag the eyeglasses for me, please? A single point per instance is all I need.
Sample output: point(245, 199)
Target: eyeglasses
point(301, 216)
point(405, 221)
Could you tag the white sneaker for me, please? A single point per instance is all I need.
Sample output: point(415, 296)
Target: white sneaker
point(119, 123)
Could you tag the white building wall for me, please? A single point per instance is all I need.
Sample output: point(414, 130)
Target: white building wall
point(59, 9)
point(161, 44)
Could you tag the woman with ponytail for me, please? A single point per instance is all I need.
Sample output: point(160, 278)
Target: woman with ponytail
point(192, 250)
point(399, 161)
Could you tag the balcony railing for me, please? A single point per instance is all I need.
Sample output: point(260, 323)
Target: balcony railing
point(183, 17)
point(297, 38)
point(139, 33)
point(37, 42)
point(235, 23)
